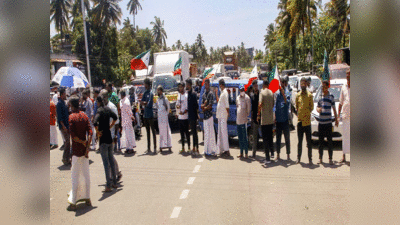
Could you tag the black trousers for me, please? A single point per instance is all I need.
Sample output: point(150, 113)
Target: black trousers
point(300, 133)
point(193, 131)
point(184, 129)
point(325, 130)
point(282, 128)
point(267, 134)
point(149, 124)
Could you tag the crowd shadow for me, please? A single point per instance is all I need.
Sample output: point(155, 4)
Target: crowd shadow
point(166, 152)
point(64, 167)
point(82, 209)
point(130, 154)
point(109, 194)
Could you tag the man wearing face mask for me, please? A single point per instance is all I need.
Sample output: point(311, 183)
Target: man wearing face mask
point(243, 105)
point(304, 107)
point(282, 117)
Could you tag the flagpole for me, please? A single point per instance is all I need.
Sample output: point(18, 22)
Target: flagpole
point(86, 43)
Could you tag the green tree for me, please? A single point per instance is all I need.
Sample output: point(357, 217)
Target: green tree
point(76, 10)
point(340, 11)
point(59, 11)
point(158, 32)
point(179, 44)
point(133, 7)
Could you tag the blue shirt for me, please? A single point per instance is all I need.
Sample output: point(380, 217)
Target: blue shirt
point(148, 109)
point(326, 103)
point(282, 108)
point(62, 113)
point(95, 108)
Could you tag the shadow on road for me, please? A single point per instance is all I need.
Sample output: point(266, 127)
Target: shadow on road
point(309, 166)
point(64, 167)
point(166, 152)
point(109, 194)
point(83, 209)
point(211, 157)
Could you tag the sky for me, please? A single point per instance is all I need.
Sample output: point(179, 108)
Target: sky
point(221, 23)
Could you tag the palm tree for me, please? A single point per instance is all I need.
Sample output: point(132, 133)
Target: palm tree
point(269, 38)
point(158, 31)
point(200, 41)
point(133, 7)
point(340, 10)
point(59, 10)
point(187, 48)
point(179, 45)
point(105, 14)
point(76, 10)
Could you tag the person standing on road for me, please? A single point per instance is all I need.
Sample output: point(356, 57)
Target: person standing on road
point(304, 107)
point(193, 109)
point(126, 122)
point(87, 106)
point(113, 98)
point(183, 116)
point(255, 125)
point(163, 109)
point(282, 117)
point(148, 120)
point(114, 129)
point(79, 127)
point(102, 125)
point(62, 119)
point(210, 147)
point(266, 118)
point(53, 129)
point(324, 108)
point(95, 95)
point(243, 105)
point(222, 116)
point(344, 103)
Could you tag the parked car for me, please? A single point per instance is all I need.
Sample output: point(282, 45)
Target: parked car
point(336, 87)
point(233, 87)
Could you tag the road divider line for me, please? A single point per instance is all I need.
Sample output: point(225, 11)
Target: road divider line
point(196, 169)
point(175, 212)
point(201, 160)
point(184, 194)
point(191, 180)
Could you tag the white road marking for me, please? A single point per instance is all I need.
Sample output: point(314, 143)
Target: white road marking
point(196, 169)
point(175, 212)
point(191, 180)
point(184, 194)
point(201, 160)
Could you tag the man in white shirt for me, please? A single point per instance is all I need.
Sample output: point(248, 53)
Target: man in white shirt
point(126, 122)
point(183, 116)
point(344, 103)
point(222, 116)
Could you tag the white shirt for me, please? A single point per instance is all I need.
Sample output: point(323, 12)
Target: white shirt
point(126, 111)
point(55, 98)
point(182, 102)
point(223, 104)
point(344, 100)
point(114, 109)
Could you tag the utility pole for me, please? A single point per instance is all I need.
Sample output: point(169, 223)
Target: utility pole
point(312, 38)
point(86, 43)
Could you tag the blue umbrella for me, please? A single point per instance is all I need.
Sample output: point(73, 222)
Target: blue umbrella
point(70, 77)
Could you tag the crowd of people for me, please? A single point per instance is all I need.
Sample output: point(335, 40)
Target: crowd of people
point(86, 122)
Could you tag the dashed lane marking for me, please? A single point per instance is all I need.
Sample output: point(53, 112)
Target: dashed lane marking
point(175, 212)
point(184, 194)
point(196, 169)
point(191, 180)
point(201, 160)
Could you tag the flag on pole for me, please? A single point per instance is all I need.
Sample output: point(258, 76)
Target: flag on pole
point(141, 61)
point(325, 75)
point(274, 82)
point(253, 76)
point(207, 75)
point(177, 67)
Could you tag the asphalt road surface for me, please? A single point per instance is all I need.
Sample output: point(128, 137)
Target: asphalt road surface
point(181, 189)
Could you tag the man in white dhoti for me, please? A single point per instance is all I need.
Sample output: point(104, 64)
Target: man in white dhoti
point(344, 103)
point(163, 125)
point(210, 147)
point(222, 116)
point(126, 122)
point(79, 126)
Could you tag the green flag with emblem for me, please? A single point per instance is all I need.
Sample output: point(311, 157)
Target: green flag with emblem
point(325, 75)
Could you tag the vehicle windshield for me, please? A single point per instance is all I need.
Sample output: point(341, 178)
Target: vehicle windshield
point(333, 90)
point(338, 74)
point(169, 83)
point(292, 81)
point(139, 89)
point(315, 83)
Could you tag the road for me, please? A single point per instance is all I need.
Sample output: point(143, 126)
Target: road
point(176, 189)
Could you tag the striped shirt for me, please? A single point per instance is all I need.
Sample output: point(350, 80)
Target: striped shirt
point(326, 103)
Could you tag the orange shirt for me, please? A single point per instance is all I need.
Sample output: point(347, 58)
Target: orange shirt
point(52, 113)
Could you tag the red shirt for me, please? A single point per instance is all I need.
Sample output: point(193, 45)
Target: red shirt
point(79, 125)
point(52, 113)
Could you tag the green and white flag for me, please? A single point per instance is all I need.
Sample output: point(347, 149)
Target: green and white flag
point(325, 75)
